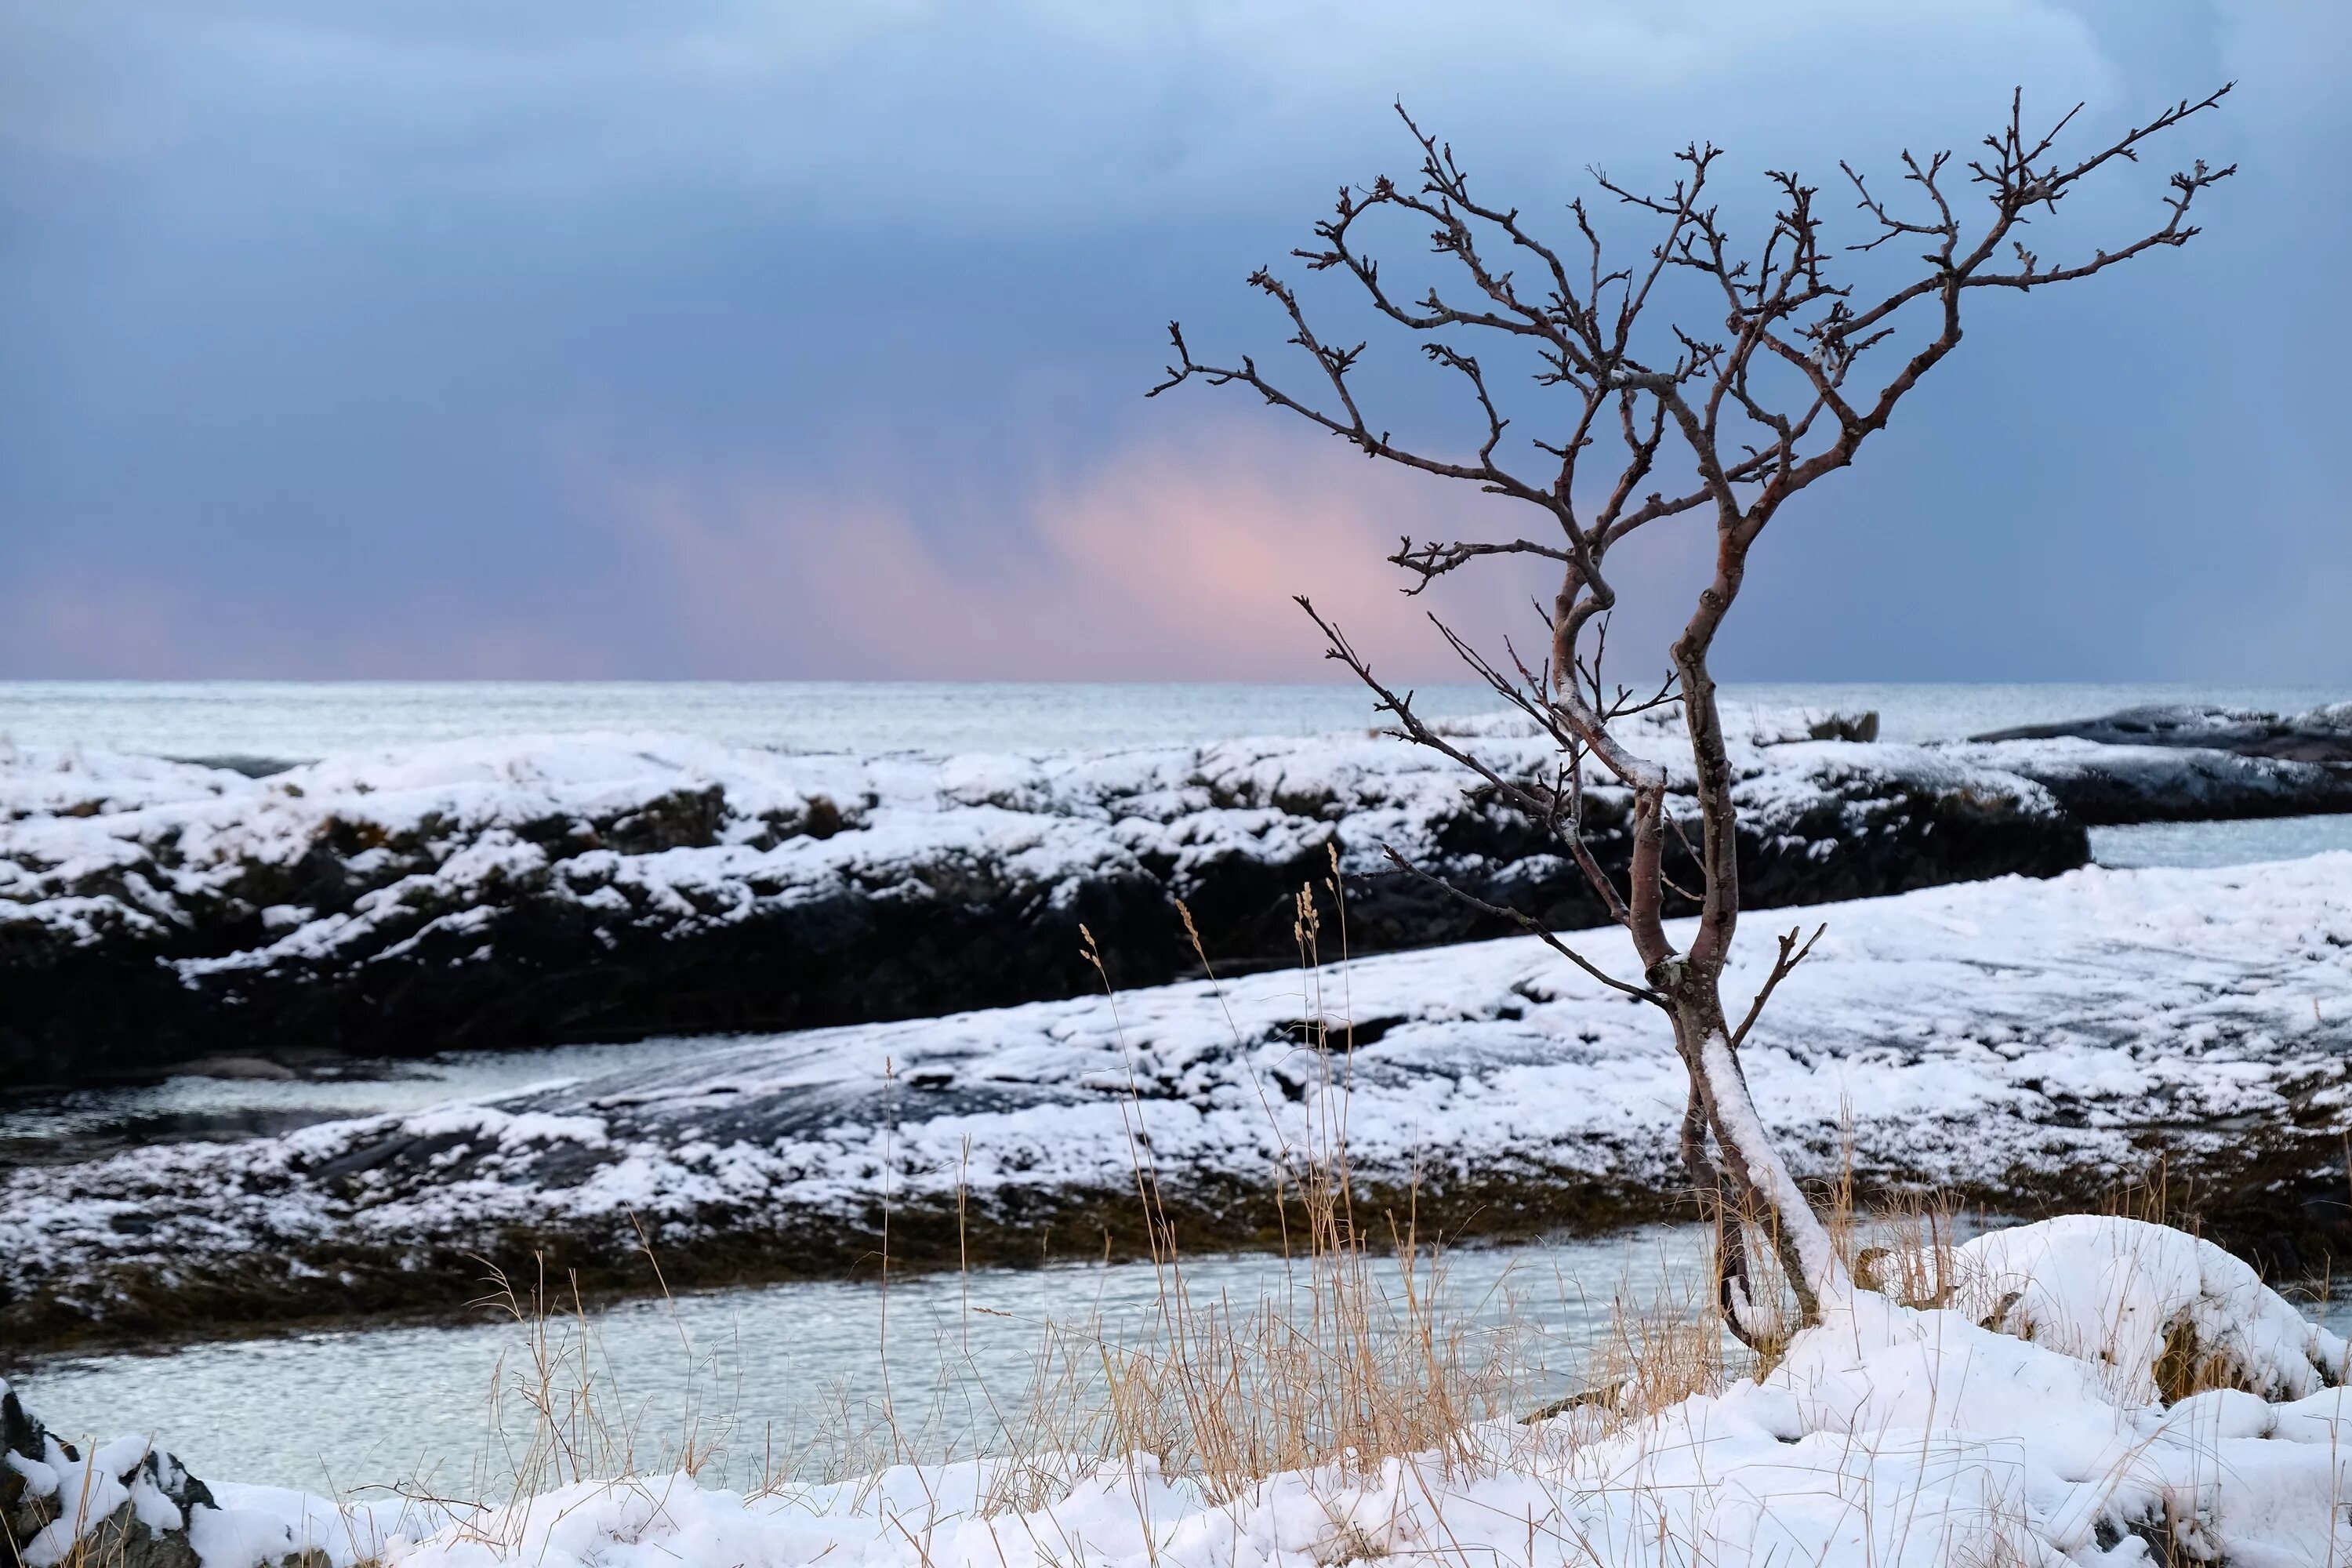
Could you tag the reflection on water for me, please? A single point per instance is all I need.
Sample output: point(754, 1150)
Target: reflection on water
point(790, 1377)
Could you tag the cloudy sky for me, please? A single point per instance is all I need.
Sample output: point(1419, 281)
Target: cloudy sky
point(714, 338)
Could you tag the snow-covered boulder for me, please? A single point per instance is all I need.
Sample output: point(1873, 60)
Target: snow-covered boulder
point(2156, 1309)
point(126, 1504)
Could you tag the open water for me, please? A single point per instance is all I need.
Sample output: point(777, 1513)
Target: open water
point(300, 721)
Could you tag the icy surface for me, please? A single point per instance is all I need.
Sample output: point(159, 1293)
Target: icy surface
point(2011, 1038)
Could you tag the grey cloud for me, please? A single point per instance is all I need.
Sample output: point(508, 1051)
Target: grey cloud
point(324, 310)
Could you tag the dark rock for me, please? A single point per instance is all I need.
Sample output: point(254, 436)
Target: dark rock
point(2184, 764)
point(1863, 727)
point(674, 913)
point(2321, 735)
point(240, 763)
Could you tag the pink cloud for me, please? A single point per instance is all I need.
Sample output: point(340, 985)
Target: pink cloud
point(1166, 559)
point(79, 622)
point(1172, 557)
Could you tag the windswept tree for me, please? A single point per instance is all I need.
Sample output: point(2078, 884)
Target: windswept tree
point(1702, 377)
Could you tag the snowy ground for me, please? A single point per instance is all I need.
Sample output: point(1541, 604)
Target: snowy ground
point(2023, 1041)
point(2031, 1416)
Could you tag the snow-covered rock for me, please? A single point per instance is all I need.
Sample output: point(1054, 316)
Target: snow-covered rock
point(125, 1504)
point(2028, 1043)
point(2322, 734)
point(2149, 1305)
point(524, 891)
point(2183, 764)
point(2102, 784)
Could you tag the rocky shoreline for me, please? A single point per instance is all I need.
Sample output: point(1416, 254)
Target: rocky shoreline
point(530, 892)
point(536, 892)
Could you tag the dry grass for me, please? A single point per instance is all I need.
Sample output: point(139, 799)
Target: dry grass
point(1362, 1351)
point(1358, 1357)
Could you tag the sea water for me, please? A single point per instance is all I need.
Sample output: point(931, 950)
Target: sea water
point(300, 721)
point(808, 1379)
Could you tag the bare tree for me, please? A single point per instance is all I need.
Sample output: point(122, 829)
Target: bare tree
point(1761, 388)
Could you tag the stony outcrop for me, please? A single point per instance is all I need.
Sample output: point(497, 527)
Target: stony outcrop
point(534, 892)
point(128, 1505)
point(2317, 735)
point(2183, 764)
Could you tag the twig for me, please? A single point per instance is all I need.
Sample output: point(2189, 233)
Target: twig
point(1781, 965)
point(1526, 922)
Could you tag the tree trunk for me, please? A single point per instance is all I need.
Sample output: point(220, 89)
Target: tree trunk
point(1751, 1183)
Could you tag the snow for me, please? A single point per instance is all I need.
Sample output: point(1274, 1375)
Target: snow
point(1746, 1135)
point(1887, 1435)
point(2111, 1295)
point(83, 1491)
point(2012, 1038)
point(97, 847)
